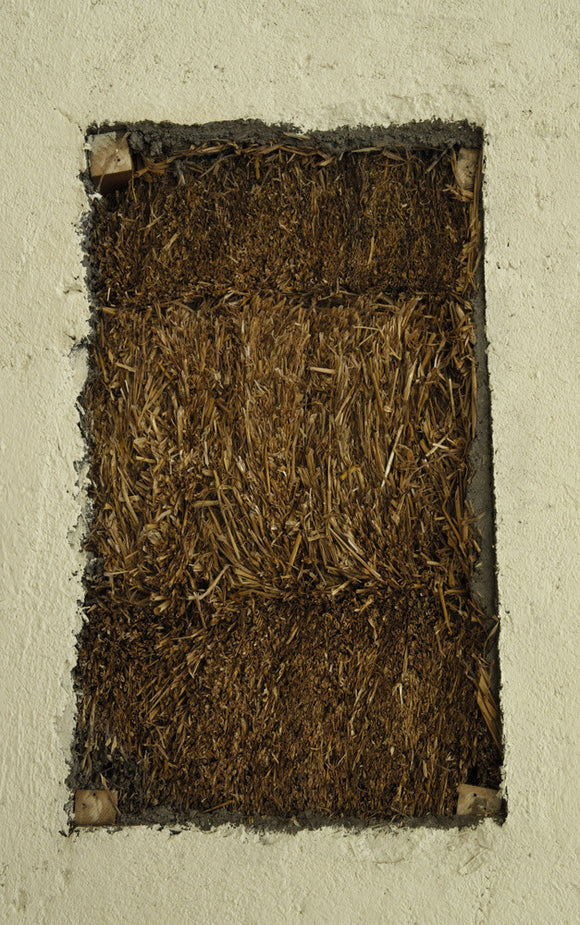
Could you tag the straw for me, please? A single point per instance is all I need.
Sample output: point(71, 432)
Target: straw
point(281, 406)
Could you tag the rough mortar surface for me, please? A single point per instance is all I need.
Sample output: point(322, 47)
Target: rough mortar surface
point(510, 68)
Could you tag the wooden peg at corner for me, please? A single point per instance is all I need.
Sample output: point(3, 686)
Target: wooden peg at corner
point(477, 801)
point(466, 167)
point(111, 163)
point(95, 807)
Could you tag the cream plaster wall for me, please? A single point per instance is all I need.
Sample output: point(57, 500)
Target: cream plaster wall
point(510, 67)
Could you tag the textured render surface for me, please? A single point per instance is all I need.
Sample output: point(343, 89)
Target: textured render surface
point(511, 69)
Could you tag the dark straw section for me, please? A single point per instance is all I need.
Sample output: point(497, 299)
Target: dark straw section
point(281, 406)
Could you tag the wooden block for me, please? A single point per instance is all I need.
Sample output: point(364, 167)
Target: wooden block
point(477, 801)
point(95, 807)
point(111, 163)
point(466, 167)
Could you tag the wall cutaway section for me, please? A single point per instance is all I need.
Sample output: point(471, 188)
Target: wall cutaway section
point(282, 616)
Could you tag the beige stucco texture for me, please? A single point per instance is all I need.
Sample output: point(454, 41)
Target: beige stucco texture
point(509, 67)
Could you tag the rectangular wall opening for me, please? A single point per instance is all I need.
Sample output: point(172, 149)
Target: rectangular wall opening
point(290, 601)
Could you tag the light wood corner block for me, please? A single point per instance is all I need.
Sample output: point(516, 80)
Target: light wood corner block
point(477, 801)
point(95, 807)
point(111, 162)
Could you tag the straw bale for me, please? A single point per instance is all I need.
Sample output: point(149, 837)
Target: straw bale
point(281, 406)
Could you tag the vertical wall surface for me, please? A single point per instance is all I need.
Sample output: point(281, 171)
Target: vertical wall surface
point(510, 68)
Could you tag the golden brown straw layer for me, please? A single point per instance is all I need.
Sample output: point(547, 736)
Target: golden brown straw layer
point(281, 409)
